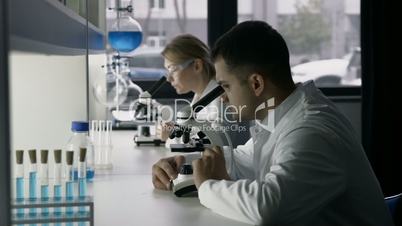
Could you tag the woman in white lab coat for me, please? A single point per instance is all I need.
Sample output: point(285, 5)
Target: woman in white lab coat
point(190, 69)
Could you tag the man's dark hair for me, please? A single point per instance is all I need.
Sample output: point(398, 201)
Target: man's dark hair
point(255, 47)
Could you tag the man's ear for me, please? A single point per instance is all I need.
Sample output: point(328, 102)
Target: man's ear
point(256, 82)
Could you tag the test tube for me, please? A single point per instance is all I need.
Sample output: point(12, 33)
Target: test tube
point(82, 181)
point(82, 186)
point(108, 132)
point(94, 128)
point(44, 180)
point(100, 141)
point(101, 131)
point(108, 152)
point(70, 180)
point(20, 180)
point(57, 181)
point(32, 179)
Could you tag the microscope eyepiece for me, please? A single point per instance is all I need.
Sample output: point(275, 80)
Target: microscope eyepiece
point(207, 99)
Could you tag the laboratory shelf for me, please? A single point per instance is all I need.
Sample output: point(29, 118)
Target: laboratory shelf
point(49, 27)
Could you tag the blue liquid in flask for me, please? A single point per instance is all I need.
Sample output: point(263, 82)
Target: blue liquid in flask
point(20, 194)
point(125, 41)
point(32, 190)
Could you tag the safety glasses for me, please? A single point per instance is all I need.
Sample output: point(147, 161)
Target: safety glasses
point(177, 67)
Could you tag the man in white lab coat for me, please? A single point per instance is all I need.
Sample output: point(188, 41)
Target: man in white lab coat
point(304, 164)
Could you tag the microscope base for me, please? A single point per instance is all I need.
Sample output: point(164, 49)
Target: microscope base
point(188, 148)
point(152, 140)
point(184, 186)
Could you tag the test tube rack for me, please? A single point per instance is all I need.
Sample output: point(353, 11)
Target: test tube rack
point(78, 216)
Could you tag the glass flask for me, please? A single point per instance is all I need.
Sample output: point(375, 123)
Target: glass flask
point(110, 89)
point(125, 34)
point(133, 90)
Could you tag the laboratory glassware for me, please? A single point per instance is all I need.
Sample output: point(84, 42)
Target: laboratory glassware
point(19, 171)
point(111, 89)
point(57, 193)
point(80, 139)
point(44, 179)
point(33, 175)
point(69, 179)
point(125, 34)
point(101, 136)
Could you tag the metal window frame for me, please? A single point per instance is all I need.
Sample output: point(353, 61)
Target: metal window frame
point(4, 118)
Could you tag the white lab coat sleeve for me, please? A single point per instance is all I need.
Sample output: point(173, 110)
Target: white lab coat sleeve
point(304, 177)
point(239, 161)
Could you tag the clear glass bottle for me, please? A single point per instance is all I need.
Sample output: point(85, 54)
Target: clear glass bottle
point(80, 139)
point(125, 34)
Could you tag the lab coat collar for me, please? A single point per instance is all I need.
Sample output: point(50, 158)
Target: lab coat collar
point(298, 95)
point(212, 84)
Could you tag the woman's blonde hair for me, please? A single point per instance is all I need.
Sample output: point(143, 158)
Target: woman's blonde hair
point(185, 47)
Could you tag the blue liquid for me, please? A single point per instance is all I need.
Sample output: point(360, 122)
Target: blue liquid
point(32, 190)
point(57, 196)
point(44, 195)
point(32, 185)
point(82, 191)
point(69, 195)
point(90, 174)
point(125, 41)
point(20, 194)
point(82, 187)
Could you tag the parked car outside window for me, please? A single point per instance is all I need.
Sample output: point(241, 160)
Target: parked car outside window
point(331, 72)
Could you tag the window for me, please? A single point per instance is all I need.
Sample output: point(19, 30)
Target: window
point(323, 37)
point(157, 4)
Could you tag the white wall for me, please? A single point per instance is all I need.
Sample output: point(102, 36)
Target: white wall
point(47, 93)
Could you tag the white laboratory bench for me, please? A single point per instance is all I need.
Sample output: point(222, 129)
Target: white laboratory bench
point(125, 194)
